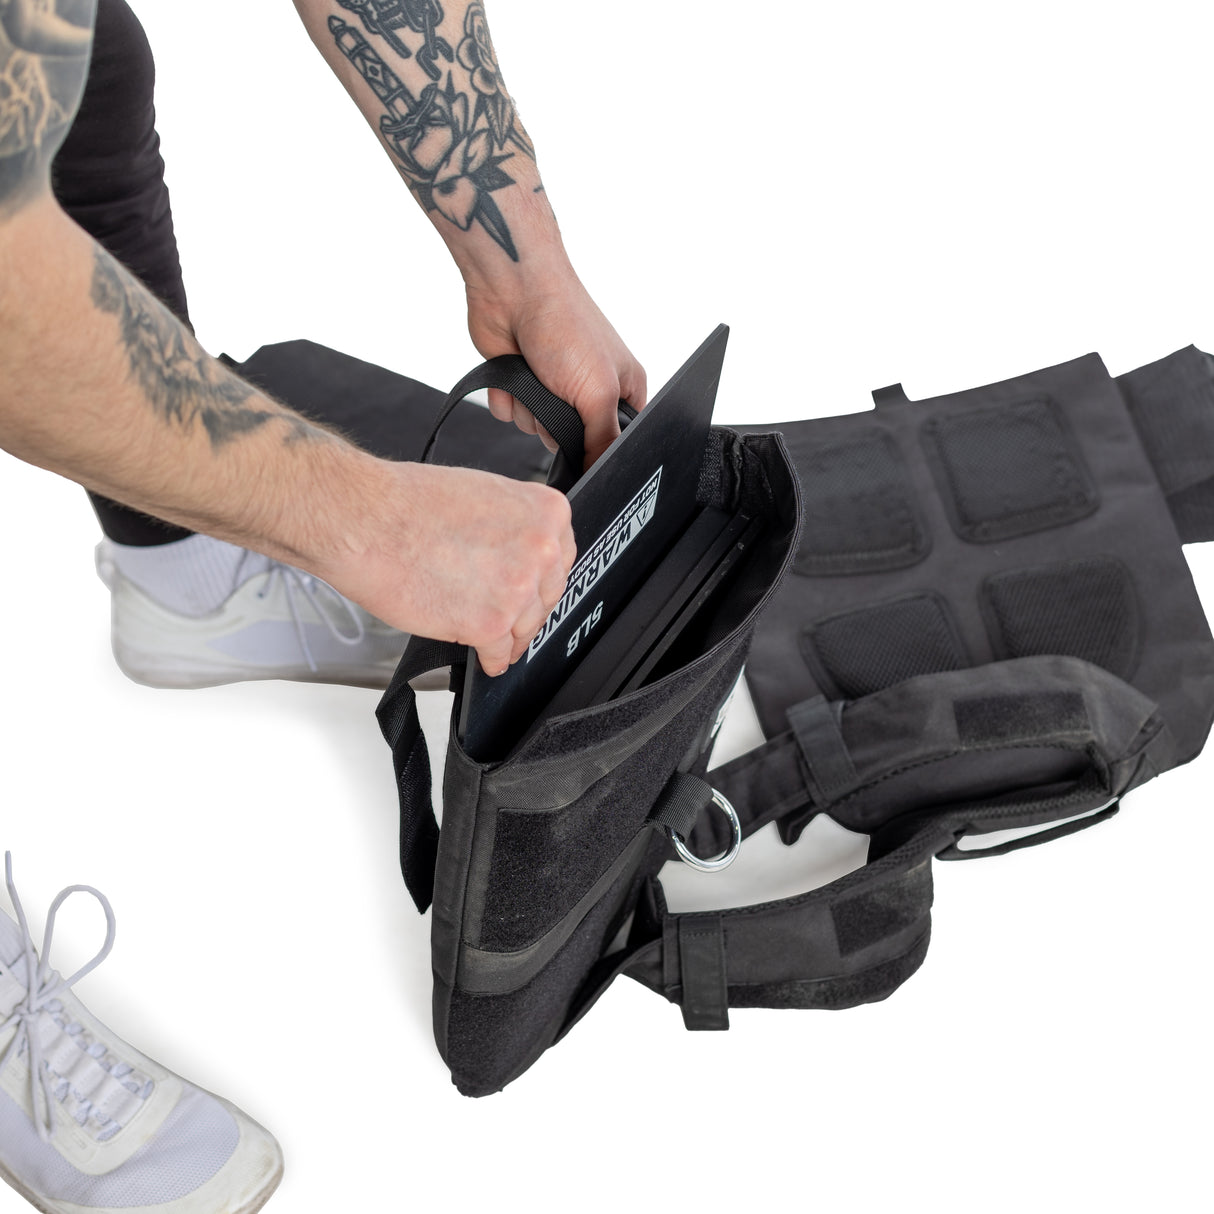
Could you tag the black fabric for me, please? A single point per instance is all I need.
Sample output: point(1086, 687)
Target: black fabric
point(1060, 737)
point(1042, 472)
point(1017, 717)
point(792, 953)
point(390, 414)
point(816, 726)
point(868, 918)
point(859, 508)
point(1085, 609)
point(836, 993)
point(401, 728)
point(1009, 470)
point(858, 652)
point(704, 993)
point(542, 862)
point(109, 177)
point(682, 801)
point(489, 1040)
point(1172, 404)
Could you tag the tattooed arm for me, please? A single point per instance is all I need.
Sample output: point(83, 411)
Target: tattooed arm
point(100, 383)
point(426, 77)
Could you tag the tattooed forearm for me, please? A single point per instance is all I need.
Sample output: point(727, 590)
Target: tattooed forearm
point(387, 17)
point(448, 145)
point(43, 63)
point(182, 383)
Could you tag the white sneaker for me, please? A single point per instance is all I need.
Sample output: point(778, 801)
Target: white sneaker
point(88, 1125)
point(277, 623)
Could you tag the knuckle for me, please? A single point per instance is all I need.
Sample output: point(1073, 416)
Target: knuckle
point(556, 508)
point(491, 624)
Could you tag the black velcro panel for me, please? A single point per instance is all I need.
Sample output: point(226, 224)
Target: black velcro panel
point(1016, 718)
point(859, 508)
point(835, 994)
point(877, 914)
point(542, 863)
point(1082, 609)
point(1008, 470)
point(868, 650)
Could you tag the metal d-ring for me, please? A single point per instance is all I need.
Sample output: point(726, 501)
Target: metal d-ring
point(726, 858)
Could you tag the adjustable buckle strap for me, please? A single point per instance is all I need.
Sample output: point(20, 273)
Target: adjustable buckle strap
point(401, 727)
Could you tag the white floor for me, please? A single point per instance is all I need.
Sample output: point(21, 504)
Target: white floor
point(944, 194)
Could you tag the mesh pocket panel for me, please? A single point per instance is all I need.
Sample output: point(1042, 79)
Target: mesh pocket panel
point(1007, 471)
point(874, 648)
point(859, 512)
point(1082, 609)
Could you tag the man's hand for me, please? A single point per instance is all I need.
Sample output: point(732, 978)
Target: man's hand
point(571, 347)
point(460, 555)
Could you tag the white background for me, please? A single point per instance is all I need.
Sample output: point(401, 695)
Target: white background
point(944, 194)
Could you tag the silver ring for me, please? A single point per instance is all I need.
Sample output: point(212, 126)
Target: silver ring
point(728, 856)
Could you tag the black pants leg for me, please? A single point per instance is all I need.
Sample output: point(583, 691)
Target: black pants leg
point(109, 177)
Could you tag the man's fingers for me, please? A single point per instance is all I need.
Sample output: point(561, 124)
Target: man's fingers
point(530, 622)
point(505, 408)
point(633, 386)
point(525, 420)
point(501, 405)
point(495, 657)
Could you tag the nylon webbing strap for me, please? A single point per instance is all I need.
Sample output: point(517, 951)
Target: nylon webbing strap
point(680, 804)
point(511, 374)
point(705, 994)
point(815, 724)
point(763, 785)
point(399, 723)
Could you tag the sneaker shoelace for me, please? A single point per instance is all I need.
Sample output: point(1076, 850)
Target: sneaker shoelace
point(42, 985)
point(295, 583)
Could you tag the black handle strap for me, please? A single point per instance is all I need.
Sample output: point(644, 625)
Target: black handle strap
point(510, 373)
point(399, 723)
